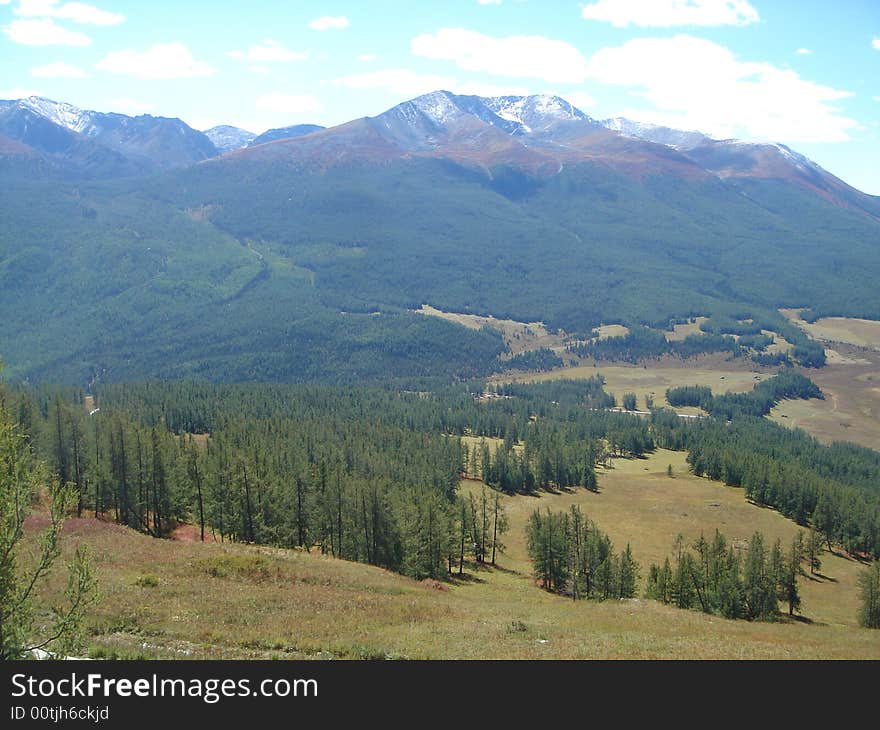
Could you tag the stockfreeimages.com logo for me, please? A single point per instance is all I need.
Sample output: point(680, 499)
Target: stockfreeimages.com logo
point(208, 690)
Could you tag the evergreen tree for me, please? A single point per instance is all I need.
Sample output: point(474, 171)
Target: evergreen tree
point(814, 550)
point(869, 593)
point(628, 574)
point(791, 569)
point(22, 482)
point(759, 581)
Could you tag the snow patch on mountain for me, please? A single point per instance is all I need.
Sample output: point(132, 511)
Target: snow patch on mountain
point(532, 113)
point(438, 106)
point(227, 138)
point(676, 138)
point(63, 114)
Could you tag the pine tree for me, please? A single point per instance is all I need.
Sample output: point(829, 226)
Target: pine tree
point(814, 550)
point(759, 582)
point(869, 593)
point(628, 574)
point(499, 525)
point(791, 570)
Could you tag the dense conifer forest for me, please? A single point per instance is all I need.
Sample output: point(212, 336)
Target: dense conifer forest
point(372, 474)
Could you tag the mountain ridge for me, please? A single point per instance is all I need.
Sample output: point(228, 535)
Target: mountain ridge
point(304, 258)
point(541, 134)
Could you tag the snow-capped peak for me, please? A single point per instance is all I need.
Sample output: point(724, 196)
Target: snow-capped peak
point(226, 137)
point(533, 113)
point(61, 113)
point(438, 106)
point(676, 138)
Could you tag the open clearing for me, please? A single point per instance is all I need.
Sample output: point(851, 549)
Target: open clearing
point(654, 379)
point(638, 503)
point(851, 409)
point(166, 599)
point(680, 331)
point(850, 381)
point(518, 336)
point(849, 330)
point(611, 330)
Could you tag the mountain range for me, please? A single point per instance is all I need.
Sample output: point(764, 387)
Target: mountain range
point(138, 246)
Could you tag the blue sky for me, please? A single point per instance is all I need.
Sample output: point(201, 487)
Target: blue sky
point(802, 72)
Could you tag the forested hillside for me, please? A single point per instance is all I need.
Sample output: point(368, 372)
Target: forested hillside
point(300, 259)
point(372, 474)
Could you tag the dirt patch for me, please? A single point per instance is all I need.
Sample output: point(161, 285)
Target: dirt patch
point(191, 533)
point(435, 585)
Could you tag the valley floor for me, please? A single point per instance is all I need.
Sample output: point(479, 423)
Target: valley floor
point(170, 599)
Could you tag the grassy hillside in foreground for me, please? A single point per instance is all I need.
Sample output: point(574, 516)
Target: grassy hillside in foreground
point(216, 600)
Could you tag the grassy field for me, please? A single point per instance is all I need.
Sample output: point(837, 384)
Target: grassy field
point(850, 382)
point(848, 330)
point(518, 336)
point(851, 408)
point(162, 598)
point(640, 504)
point(654, 379)
point(680, 331)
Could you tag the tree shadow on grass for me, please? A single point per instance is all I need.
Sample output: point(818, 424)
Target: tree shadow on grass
point(472, 568)
point(820, 578)
point(464, 579)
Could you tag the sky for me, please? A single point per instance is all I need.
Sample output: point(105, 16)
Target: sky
point(805, 73)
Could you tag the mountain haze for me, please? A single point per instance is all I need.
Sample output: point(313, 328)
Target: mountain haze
point(98, 144)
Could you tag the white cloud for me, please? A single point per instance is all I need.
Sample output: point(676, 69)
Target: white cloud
point(77, 12)
point(476, 88)
point(18, 92)
point(668, 13)
point(367, 57)
point(804, 52)
point(282, 103)
point(161, 61)
point(58, 70)
point(875, 44)
point(396, 80)
point(328, 22)
point(267, 52)
point(518, 56)
point(44, 32)
point(490, 2)
point(127, 105)
point(406, 82)
point(696, 84)
point(580, 99)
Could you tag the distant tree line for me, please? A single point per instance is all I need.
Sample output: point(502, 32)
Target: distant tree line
point(642, 343)
point(541, 359)
point(787, 385)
